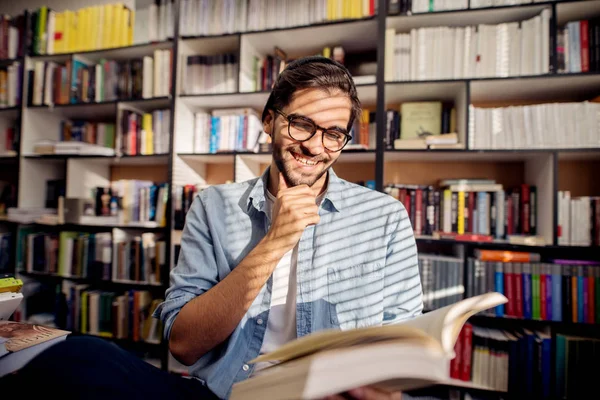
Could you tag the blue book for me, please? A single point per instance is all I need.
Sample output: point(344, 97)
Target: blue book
point(556, 293)
point(527, 295)
point(580, 294)
point(499, 287)
point(548, 294)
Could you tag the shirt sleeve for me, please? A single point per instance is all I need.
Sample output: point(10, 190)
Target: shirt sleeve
point(403, 297)
point(196, 270)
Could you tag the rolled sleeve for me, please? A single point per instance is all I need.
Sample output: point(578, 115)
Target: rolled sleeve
point(196, 270)
point(403, 297)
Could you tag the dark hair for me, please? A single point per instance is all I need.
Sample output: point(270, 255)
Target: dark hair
point(313, 72)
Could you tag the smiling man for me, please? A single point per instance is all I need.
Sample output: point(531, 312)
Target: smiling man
point(266, 261)
point(294, 251)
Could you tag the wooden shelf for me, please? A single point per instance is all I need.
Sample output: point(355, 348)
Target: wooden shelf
point(151, 159)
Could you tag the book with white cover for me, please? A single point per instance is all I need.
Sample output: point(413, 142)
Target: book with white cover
point(398, 357)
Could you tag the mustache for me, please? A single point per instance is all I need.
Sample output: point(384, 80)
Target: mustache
point(304, 152)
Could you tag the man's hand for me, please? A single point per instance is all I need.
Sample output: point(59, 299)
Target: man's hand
point(366, 393)
point(294, 210)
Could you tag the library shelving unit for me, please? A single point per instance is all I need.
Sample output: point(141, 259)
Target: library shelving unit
point(550, 168)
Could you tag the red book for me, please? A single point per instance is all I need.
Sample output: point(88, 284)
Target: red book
point(467, 351)
point(509, 290)
point(471, 206)
point(585, 45)
point(455, 363)
point(524, 207)
point(518, 285)
point(543, 302)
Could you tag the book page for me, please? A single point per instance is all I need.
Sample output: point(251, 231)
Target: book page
point(336, 339)
point(444, 324)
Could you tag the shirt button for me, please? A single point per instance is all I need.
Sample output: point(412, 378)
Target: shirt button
point(245, 367)
point(259, 321)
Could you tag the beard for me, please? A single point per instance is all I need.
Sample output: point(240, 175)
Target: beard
point(293, 175)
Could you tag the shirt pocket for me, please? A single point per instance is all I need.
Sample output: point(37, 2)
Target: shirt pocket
point(355, 295)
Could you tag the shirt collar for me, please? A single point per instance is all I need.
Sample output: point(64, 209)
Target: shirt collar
point(333, 200)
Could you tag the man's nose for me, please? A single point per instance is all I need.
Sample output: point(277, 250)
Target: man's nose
point(315, 144)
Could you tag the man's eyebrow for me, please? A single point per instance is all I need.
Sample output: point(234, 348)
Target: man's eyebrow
point(338, 128)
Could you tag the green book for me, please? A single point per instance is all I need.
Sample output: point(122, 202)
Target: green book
point(535, 291)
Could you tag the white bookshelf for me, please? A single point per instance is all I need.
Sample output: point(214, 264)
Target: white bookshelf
point(182, 166)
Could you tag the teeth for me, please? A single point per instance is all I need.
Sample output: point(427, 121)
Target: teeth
point(304, 160)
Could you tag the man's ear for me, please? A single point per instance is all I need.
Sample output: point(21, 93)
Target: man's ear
point(268, 123)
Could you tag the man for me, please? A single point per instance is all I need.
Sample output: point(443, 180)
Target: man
point(268, 260)
point(295, 251)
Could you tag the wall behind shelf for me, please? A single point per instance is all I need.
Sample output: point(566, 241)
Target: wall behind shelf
point(579, 177)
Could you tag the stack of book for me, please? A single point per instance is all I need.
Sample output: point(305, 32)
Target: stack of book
point(578, 220)
point(89, 28)
point(441, 280)
point(215, 17)
point(577, 46)
point(537, 126)
point(469, 206)
point(226, 129)
point(553, 290)
point(512, 361)
point(145, 133)
point(484, 50)
point(82, 81)
point(126, 315)
point(206, 74)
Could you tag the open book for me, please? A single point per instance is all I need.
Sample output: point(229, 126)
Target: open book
point(409, 355)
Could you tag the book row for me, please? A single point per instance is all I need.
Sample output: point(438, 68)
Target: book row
point(560, 290)
point(578, 46)
point(215, 17)
point(12, 31)
point(118, 315)
point(537, 126)
point(441, 280)
point(95, 256)
point(84, 29)
point(512, 361)
point(81, 81)
point(417, 123)
point(205, 74)
point(11, 84)
point(225, 129)
point(486, 209)
point(144, 133)
point(484, 50)
point(9, 139)
point(578, 220)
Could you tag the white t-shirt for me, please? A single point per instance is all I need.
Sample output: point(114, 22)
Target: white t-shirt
point(281, 326)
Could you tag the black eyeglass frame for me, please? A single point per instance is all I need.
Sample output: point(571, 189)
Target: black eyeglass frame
point(289, 119)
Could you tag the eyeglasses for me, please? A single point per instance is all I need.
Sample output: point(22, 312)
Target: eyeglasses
point(302, 128)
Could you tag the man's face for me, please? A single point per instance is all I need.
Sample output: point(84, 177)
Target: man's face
point(306, 162)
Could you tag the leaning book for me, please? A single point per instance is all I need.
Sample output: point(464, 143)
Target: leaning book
point(404, 356)
point(20, 342)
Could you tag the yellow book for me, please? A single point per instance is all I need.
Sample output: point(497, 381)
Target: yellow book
point(10, 285)
point(107, 26)
point(118, 25)
point(461, 212)
point(149, 134)
point(78, 21)
point(330, 4)
point(130, 27)
point(93, 28)
point(99, 28)
point(58, 32)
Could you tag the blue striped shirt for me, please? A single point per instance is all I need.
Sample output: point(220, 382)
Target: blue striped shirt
point(357, 267)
